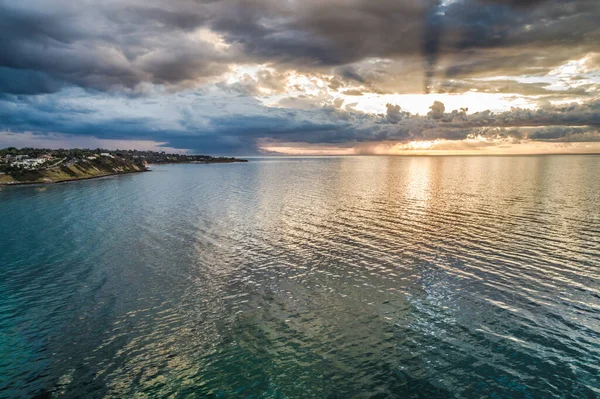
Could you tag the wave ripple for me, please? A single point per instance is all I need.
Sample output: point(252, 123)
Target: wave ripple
point(318, 277)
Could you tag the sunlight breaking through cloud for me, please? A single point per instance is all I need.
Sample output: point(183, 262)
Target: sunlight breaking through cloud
point(224, 77)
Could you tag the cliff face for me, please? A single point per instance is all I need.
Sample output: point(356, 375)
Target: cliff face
point(82, 169)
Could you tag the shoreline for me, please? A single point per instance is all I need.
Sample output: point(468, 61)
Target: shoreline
point(43, 183)
point(33, 183)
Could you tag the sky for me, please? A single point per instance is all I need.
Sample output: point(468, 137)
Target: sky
point(310, 77)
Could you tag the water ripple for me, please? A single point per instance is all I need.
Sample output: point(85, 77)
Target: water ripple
point(321, 277)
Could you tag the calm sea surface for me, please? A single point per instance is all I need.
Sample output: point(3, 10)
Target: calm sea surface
point(367, 277)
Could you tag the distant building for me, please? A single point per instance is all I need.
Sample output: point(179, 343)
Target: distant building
point(28, 164)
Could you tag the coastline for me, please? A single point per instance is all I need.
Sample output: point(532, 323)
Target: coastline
point(43, 183)
point(31, 183)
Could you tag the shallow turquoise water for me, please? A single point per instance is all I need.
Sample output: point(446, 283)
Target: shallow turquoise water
point(466, 277)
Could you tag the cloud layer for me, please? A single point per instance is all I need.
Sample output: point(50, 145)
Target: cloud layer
point(228, 76)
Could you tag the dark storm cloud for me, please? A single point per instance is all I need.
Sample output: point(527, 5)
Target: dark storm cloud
point(213, 122)
point(431, 41)
point(566, 134)
point(317, 33)
point(475, 37)
point(503, 39)
point(394, 113)
point(516, 26)
point(154, 48)
point(482, 33)
point(24, 81)
point(122, 44)
point(227, 128)
point(105, 46)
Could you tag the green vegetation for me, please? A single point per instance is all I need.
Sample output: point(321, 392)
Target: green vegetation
point(36, 165)
point(153, 157)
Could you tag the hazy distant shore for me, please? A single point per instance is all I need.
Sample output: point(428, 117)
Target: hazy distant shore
point(217, 160)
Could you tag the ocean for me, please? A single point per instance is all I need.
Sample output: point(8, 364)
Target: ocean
point(325, 277)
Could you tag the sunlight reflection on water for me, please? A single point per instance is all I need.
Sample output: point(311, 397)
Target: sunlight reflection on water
point(317, 277)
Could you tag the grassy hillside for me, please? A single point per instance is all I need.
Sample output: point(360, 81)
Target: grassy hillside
point(83, 169)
